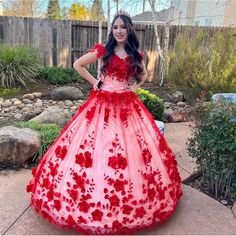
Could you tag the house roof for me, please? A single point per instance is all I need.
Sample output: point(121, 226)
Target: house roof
point(146, 17)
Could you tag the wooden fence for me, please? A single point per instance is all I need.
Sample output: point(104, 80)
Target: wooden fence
point(61, 42)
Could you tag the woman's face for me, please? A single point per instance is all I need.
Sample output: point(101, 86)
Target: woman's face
point(120, 31)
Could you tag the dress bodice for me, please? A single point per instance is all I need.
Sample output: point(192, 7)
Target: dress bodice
point(119, 72)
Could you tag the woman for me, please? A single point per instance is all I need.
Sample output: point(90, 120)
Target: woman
point(110, 171)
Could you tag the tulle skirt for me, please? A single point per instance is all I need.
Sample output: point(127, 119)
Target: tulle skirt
point(110, 171)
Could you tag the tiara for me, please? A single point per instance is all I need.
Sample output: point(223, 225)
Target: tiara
point(123, 12)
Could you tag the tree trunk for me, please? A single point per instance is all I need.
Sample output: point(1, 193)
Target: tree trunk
point(99, 34)
point(159, 51)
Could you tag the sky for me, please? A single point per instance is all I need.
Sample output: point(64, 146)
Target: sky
point(133, 7)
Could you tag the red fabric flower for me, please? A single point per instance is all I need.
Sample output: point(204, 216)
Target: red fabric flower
point(70, 221)
point(127, 209)
point(140, 212)
point(114, 200)
point(33, 171)
point(81, 220)
point(80, 181)
point(29, 188)
point(46, 183)
point(53, 168)
point(73, 194)
point(151, 194)
point(61, 152)
point(146, 155)
point(84, 206)
point(50, 195)
point(119, 185)
point(57, 205)
point(99, 48)
point(117, 162)
point(84, 159)
point(116, 225)
point(97, 215)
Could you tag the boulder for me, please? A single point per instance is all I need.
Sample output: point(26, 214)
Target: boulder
point(177, 97)
point(28, 96)
point(66, 93)
point(18, 144)
point(54, 115)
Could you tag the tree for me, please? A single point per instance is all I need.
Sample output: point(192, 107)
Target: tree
point(53, 11)
point(96, 7)
point(21, 8)
point(78, 11)
point(159, 50)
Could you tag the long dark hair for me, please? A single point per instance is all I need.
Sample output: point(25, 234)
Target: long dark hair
point(131, 47)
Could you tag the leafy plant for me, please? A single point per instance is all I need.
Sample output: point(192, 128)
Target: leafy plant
point(203, 63)
point(60, 75)
point(213, 144)
point(48, 133)
point(153, 103)
point(19, 65)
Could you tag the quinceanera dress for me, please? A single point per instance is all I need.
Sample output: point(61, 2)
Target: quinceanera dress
point(110, 171)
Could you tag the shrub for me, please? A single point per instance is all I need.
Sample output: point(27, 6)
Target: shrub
point(213, 144)
point(203, 63)
point(60, 75)
point(19, 65)
point(48, 133)
point(153, 103)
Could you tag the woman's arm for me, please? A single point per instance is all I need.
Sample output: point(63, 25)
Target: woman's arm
point(80, 66)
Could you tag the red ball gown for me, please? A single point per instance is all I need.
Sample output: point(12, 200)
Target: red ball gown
point(110, 171)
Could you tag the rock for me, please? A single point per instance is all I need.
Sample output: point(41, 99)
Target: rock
point(17, 103)
point(29, 106)
point(1, 100)
point(69, 103)
point(66, 93)
point(17, 144)
point(30, 114)
point(172, 116)
point(7, 103)
point(14, 100)
point(12, 108)
point(28, 96)
point(17, 116)
point(37, 94)
point(181, 104)
point(177, 97)
point(25, 109)
point(224, 202)
point(234, 209)
point(53, 115)
point(38, 104)
point(168, 104)
point(39, 100)
point(26, 101)
point(74, 108)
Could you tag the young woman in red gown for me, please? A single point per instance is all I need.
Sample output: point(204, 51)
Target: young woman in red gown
point(110, 171)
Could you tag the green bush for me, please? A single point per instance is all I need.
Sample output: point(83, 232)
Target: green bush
point(213, 144)
point(153, 103)
point(19, 65)
point(60, 75)
point(48, 133)
point(203, 63)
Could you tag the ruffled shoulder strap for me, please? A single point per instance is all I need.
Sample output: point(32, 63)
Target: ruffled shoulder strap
point(99, 48)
